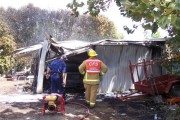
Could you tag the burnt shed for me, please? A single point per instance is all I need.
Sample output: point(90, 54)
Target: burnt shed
point(116, 54)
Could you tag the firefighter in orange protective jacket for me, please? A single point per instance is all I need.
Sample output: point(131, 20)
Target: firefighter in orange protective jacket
point(92, 68)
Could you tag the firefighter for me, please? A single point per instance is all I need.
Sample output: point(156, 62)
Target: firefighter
point(57, 71)
point(92, 68)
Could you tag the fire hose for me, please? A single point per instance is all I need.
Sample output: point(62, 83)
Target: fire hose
point(87, 109)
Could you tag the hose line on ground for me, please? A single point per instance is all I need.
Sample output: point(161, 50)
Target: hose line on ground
point(87, 109)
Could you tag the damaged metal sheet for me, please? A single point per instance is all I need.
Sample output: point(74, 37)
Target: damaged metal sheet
point(114, 53)
point(27, 49)
point(117, 59)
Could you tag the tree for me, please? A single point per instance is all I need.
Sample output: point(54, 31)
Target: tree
point(120, 36)
point(93, 28)
point(156, 35)
point(29, 25)
point(153, 13)
point(93, 6)
point(22, 23)
point(106, 28)
point(7, 46)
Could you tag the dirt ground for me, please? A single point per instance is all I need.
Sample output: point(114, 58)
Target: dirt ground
point(106, 108)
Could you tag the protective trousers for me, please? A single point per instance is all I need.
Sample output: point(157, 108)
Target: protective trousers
point(91, 93)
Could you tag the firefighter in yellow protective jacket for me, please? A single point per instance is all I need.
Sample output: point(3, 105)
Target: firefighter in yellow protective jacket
point(92, 68)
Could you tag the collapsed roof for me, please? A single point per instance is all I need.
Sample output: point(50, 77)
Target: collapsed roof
point(73, 47)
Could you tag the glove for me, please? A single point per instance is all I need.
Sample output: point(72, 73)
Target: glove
point(47, 76)
point(101, 74)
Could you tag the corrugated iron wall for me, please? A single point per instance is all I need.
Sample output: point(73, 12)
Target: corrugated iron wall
point(117, 60)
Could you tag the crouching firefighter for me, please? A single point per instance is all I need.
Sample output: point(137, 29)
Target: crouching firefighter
point(57, 71)
point(92, 68)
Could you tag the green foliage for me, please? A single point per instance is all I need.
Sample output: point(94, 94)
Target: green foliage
point(106, 28)
point(90, 28)
point(4, 64)
point(7, 46)
point(173, 115)
point(129, 30)
point(120, 36)
point(155, 13)
point(74, 5)
point(22, 62)
point(174, 45)
point(156, 35)
point(94, 6)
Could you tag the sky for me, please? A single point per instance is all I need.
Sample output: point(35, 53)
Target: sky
point(112, 13)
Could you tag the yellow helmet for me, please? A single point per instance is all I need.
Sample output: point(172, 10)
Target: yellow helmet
point(92, 53)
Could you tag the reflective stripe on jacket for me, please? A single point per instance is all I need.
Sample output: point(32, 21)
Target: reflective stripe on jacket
point(91, 80)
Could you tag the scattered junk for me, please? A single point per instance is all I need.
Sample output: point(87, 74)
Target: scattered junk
point(27, 87)
point(129, 95)
point(24, 82)
point(153, 78)
point(30, 78)
point(53, 102)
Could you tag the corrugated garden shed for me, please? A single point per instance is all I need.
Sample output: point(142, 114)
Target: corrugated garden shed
point(116, 54)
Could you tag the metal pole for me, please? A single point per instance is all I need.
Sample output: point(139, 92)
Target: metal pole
point(10, 65)
point(131, 70)
point(145, 69)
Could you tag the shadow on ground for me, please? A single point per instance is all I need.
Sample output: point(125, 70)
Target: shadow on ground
point(106, 109)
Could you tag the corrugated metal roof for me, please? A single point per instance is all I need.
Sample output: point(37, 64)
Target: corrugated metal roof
point(30, 48)
point(71, 45)
point(127, 42)
point(26, 51)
